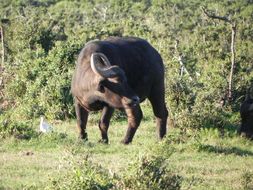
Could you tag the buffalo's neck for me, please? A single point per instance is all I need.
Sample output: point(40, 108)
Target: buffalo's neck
point(91, 102)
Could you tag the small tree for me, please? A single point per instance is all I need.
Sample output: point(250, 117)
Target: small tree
point(233, 37)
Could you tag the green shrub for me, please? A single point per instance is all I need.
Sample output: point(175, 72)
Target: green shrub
point(150, 172)
point(42, 85)
point(84, 175)
point(19, 129)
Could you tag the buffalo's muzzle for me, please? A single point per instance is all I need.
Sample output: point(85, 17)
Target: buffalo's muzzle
point(133, 101)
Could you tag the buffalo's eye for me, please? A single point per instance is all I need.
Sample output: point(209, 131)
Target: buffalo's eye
point(121, 79)
point(101, 87)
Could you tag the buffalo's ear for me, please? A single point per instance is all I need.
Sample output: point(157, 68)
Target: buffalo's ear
point(101, 87)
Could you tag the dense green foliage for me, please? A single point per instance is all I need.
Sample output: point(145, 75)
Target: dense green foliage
point(42, 39)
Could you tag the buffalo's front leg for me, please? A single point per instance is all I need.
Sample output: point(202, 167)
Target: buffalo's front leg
point(104, 123)
point(82, 117)
point(134, 116)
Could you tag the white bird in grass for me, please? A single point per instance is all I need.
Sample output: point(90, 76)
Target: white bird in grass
point(44, 126)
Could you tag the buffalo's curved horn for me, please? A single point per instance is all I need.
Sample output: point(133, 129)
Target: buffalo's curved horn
point(102, 66)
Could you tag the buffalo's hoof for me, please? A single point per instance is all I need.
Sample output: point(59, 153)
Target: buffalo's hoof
point(103, 141)
point(160, 138)
point(83, 137)
point(125, 142)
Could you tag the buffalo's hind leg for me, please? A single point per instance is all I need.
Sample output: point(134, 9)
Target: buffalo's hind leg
point(104, 123)
point(157, 100)
point(134, 116)
point(82, 117)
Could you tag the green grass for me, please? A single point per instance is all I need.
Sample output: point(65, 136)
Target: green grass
point(203, 159)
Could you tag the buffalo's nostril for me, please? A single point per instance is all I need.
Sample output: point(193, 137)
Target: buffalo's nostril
point(136, 100)
point(133, 101)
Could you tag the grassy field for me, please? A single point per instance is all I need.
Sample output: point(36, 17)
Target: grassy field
point(203, 159)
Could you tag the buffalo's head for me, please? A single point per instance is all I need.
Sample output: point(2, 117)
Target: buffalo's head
point(112, 84)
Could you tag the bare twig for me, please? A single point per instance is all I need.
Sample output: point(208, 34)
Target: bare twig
point(2, 44)
point(213, 16)
point(233, 37)
point(180, 59)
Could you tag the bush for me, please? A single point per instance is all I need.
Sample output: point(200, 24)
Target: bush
point(19, 129)
point(84, 175)
point(150, 172)
point(42, 85)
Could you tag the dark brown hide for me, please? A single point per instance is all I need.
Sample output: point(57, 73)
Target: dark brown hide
point(246, 112)
point(119, 73)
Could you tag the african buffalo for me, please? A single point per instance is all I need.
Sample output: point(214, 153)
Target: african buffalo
point(119, 73)
point(246, 112)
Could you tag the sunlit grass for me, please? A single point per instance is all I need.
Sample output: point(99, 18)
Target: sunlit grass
point(203, 159)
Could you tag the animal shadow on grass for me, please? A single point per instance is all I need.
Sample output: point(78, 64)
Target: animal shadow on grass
point(224, 150)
